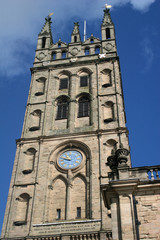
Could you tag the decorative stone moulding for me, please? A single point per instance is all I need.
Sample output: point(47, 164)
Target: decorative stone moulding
point(108, 47)
point(74, 51)
point(118, 159)
point(41, 56)
point(121, 155)
point(74, 59)
point(112, 162)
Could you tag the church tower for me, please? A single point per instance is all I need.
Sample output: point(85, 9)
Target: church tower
point(74, 121)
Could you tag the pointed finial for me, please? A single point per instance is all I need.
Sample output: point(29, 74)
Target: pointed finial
point(107, 6)
point(50, 14)
point(76, 28)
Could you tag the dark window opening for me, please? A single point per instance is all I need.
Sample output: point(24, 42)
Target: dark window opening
point(43, 42)
point(84, 107)
point(78, 212)
point(63, 83)
point(75, 38)
point(59, 45)
point(86, 51)
point(91, 40)
point(108, 36)
point(20, 223)
point(83, 81)
point(58, 214)
point(62, 109)
point(97, 50)
point(64, 54)
point(54, 55)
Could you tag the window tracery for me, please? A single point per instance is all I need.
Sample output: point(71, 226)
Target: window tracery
point(62, 108)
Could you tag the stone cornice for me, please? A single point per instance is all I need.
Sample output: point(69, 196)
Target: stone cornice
point(75, 134)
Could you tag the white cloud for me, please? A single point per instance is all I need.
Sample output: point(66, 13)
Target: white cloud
point(23, 20)
point(141, 5)
point(147, 52)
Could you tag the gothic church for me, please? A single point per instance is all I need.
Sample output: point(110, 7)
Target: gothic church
point(72, 177)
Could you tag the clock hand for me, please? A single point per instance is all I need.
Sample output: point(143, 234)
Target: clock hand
point(66, 158)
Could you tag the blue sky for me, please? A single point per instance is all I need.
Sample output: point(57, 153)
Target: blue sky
point(137, 24)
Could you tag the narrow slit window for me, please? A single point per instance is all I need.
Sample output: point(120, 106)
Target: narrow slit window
point(108, 36)
point(64, 54)
point(54, 55)
point(83, 81)
point(78, 212)
point(75, 38)
point(97, 50)
point(58, 214)
point(43, 42)
point(91, 40)
point(62, 110)
point(86, 51)
point(63, 83)
point(59, 45)
point(84, 107)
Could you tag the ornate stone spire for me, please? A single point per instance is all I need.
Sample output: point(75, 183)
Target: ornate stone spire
point(45, 39)
point(76, 33)
point(47, 26)
point(106, 18)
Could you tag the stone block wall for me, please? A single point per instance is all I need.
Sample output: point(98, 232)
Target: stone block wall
point(148, 214)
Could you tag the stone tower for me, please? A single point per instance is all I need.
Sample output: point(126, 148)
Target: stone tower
point(74, 121)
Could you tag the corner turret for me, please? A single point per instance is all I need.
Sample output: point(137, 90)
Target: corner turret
point(45, 36)
point(107, 27)
point(108, 33)
point(76, 34)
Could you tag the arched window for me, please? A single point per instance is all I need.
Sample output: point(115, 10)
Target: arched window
point(59, 44)
point(97, 50)
point(35, 120)
point(63, 83)
point(21, 209)
point(29, 159)
point(78, 199)
point(91, 40)
point(84, 81)
point(62, 108)
point(43, 42)
point(57, 201)
point(64, 54)
point(83, 107)
point(53, 55)
point(75, 38)
point(108, 36)
point(84, 77)
point(87, 51)
point(106, 78)
point(40, 86)
point(108, 112)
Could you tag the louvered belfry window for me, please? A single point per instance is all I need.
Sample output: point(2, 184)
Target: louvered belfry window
point(62, 109)
point(83, 81)
point(63, 83)
point(84, 107)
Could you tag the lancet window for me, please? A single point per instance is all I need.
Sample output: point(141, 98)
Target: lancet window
point(35, 120)
point(83, 106)
point(62, 108)
point(22, 204)
point(29, 160)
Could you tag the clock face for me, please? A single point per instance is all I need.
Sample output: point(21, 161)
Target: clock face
point(70, 159)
